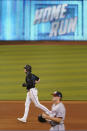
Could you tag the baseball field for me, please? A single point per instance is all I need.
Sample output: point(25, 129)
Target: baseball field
point(60, 67)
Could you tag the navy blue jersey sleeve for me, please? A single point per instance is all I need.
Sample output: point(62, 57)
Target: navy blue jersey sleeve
point(36, 78)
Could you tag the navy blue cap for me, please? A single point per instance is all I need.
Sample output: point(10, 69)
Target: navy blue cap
point(28, 68)
point(57, 93)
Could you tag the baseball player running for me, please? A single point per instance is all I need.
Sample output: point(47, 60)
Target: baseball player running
point(32, 93)
point(58, 110)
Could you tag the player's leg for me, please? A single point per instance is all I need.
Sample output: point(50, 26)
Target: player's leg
point(34, 97)
point(51, 129)
point(54, 128)
point(58, 128)
point(61, 127)
point(27, 105)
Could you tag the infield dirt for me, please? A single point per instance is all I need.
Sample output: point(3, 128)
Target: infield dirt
point(76, 115)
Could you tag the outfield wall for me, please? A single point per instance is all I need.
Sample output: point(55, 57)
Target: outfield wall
point(43, 42)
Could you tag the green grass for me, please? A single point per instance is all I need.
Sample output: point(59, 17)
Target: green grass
point(60, 67)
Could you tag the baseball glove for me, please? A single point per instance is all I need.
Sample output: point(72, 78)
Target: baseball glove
point(41, 119)
point(24, 85)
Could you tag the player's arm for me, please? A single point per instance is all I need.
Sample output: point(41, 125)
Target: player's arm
point(28, 82)
point(58, 120)
point(37, 79)
point(24, 85)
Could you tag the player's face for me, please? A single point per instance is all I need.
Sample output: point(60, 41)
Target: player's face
point(55, 99)
point(25, 70)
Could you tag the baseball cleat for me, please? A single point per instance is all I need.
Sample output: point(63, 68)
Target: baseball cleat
point(22, 120)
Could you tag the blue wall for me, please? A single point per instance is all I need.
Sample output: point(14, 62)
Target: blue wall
point(17, 20)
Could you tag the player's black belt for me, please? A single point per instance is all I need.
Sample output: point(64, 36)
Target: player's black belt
point(55, 123)
point(29, 89)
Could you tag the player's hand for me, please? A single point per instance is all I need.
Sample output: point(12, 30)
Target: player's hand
point(45, 116)
point(24, 84)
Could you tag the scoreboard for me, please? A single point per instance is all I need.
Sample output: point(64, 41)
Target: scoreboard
point(43, 20)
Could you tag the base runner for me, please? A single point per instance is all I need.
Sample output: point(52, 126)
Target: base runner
point(58, 110)
point(32, 93)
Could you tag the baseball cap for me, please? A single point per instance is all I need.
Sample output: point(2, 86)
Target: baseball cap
point(57, 93)
point(28, 67)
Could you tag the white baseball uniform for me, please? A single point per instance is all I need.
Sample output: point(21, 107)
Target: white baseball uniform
point(58, 111)
point(32, 95)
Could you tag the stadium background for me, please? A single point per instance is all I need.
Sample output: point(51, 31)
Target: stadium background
point(62, 67)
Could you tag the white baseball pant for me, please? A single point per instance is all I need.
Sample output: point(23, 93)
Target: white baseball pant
point(32, 95)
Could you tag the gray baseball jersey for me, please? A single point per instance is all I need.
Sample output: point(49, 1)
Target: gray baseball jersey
point(58, 111)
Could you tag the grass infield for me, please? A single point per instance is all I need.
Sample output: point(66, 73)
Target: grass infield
point(60, 67)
